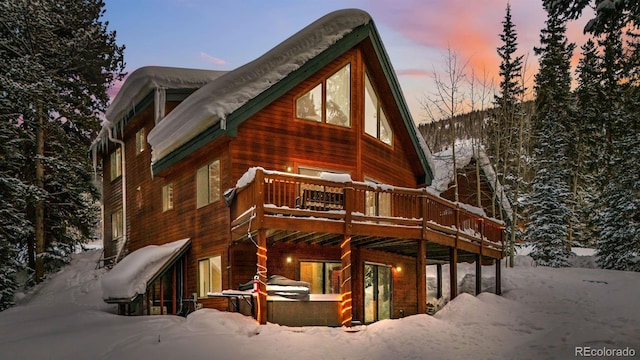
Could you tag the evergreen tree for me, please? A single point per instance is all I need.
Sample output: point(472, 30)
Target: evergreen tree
point(550, 210)
point(508, 127)
point(13, 224)
point(57, 60)
point(589, 143)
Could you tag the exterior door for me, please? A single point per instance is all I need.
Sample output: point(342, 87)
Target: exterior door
point(377, 292)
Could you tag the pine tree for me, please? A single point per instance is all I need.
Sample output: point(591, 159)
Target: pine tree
point(509, 123)
point(57, 60)
point(13, 224)
point(550, 204)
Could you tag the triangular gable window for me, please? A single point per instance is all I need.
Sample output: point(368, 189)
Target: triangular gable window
point(329, 101)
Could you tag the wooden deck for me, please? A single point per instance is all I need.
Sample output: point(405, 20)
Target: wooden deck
point(280, 207)
point(296, 208)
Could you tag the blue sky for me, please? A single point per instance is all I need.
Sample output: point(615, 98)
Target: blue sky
point(223, 35)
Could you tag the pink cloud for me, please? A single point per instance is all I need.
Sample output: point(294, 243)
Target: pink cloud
point(469, 28)
point(416, 73)
point(212, 59)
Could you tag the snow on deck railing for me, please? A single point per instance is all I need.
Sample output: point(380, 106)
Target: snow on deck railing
point(286, 191)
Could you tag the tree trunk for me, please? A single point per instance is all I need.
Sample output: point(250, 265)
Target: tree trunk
point(39, 218)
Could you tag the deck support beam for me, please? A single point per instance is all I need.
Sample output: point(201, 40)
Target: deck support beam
point(346, 289)
point(478, 274)
point(439, 275)
point(421, 276)
point(453, 273)
point(498, 277)
point(261, 273)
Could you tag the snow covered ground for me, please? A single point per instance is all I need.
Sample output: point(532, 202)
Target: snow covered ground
point(543, 314)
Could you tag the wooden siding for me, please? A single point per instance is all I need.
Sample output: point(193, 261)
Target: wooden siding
point(276, 140)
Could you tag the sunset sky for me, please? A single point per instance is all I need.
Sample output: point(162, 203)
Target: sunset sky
point(224, 35)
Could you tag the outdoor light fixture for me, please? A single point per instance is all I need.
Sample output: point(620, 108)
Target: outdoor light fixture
point(398, 268)
point(289, 259)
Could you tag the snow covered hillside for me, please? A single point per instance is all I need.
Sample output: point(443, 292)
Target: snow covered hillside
point(544, 314)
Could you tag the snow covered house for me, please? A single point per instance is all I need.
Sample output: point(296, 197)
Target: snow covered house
point(476, 175)
point(303, 163)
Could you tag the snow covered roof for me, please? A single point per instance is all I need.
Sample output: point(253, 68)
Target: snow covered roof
point(131, 276)
point(140, 82)
point(443, 169)
point(227, 93)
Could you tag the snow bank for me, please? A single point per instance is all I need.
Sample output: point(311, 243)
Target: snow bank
point(131, 275)
point(221, 97)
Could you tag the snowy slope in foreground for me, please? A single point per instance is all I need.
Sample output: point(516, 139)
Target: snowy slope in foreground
point(544, 313)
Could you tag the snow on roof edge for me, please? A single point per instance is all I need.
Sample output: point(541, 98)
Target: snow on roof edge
point(130, 276)
point(221, 97)
point(142, 80)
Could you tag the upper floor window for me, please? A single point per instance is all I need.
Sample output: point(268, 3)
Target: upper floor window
point(116, 163)
point(329, 101)
point(167, 197)
point(140, 141)
point(208, 184)
point(376, 123)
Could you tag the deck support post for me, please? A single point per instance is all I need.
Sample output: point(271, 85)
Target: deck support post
point(453, 272)
point(478, 274)
point(346, 295)
point(261, 273)
point(174, 297)
point(421, 276)
point(498, 277)
point(439, 274)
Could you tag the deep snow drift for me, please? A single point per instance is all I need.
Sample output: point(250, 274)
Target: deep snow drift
point(543, 314)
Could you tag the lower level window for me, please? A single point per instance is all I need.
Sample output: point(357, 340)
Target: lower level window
point(209, 275)
point(323, 277)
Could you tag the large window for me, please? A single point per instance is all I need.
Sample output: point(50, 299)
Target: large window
point(376, 123)
point(167, 197)
point(208, 184)
point(329, 101)
point(323, 277)
point(116, 163)
point(117, 225)
point(209, 275)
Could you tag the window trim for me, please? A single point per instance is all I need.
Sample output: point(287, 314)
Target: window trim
point(115, 163)
point(117, 232)
point(202, 293)
point(323, 108)
point(379, 110)
point(211, 196)
point(168, 202)
point(324, 269)
point(141, 139)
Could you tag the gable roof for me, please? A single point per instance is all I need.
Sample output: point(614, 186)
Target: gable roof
point(220, 106)
point(465, 152)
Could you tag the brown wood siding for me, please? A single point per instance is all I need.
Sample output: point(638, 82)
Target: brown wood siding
point(404, 282)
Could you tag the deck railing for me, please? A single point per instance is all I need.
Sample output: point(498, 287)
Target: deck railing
point(299, 195)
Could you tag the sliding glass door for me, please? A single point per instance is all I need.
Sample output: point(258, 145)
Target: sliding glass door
point(377, 292)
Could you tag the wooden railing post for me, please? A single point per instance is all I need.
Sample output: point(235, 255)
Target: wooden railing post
point(260, 199)
point(424, 209)
point(479, 259)
point(346, 303)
